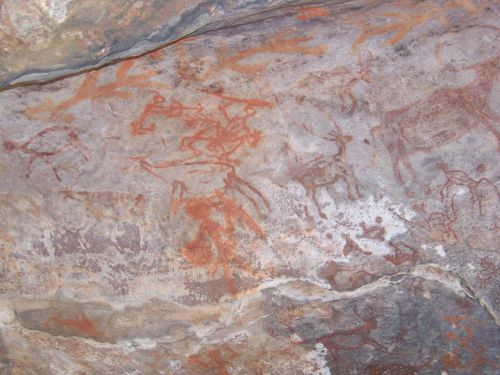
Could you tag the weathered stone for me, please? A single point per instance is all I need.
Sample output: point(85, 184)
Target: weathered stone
point(314, 192)
point(47, 39)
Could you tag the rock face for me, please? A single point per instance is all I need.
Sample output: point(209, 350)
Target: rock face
point(47, 39)
point(312, 191)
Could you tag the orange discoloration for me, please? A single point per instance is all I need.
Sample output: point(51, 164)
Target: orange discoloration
point(77, 326)
point(90, 90)
point(214, 360)
point(451, 336)
point(7, 238)
point(306, 13)
point(156, 55)
point(450, 360)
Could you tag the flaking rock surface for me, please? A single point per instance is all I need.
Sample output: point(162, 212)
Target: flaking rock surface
point(314, 192)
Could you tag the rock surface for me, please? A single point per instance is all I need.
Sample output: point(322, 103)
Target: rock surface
point(46, 39)
point(313, 192)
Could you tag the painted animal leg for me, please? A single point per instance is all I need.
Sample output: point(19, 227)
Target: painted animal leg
point(316, 203)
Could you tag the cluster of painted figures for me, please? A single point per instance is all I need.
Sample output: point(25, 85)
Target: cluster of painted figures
point(216, 134)
point(216, 139)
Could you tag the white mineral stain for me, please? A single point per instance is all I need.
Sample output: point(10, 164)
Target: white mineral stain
point(440, 250)
point(55, 9)
point(138, 344)
point(346, 218)
point(295, 338)
point(7, 315)
point(317, 358)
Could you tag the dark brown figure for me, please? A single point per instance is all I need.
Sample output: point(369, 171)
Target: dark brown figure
point(373, 232)
point(324, 171)
point(344, 78)
point(394, 369)
point(442, 117)
point(456, 177)
point(333, 341)
point(402, 253)
point(434, 226)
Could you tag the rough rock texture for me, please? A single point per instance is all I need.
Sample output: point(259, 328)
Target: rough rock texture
point(312, 193)
point(46, 39)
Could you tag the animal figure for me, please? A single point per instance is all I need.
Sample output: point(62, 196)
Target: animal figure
point(47, 144)
point(342, 340)
point(456, 177)
point(440, 118)
point(324, 171)
point(340, 80)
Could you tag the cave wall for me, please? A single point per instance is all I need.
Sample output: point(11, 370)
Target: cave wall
point(283, 188)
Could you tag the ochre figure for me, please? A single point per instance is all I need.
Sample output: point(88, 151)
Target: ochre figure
point(213, 136)
point(280, 43)
point(402, 23)
point(351, 246)
point(212, 141)
point(89, 89)
point(218, 216)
